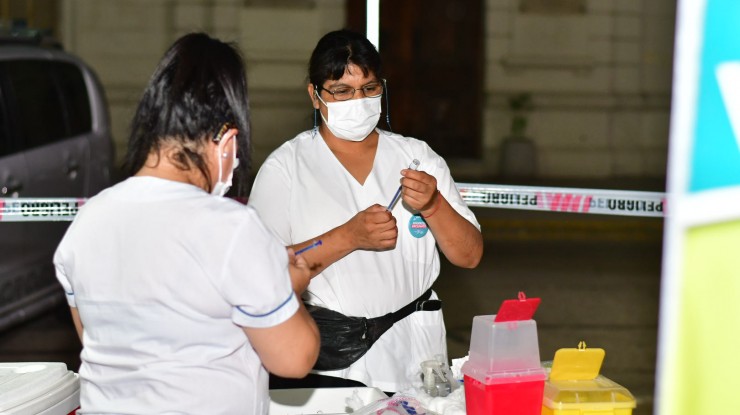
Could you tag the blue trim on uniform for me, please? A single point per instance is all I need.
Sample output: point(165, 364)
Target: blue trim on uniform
point(270, 312)
point(72, 293)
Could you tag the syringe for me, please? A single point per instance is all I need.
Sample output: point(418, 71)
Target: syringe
point(413, 166)
point(306, 248)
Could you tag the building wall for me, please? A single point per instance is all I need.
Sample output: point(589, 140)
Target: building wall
point(599, 82)
point(123, 41)
point(599, 77)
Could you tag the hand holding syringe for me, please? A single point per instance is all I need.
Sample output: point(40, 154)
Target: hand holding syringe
point(306, 248)
point(413, 166)
point(300, 271)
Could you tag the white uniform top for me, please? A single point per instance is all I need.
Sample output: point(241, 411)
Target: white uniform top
point(163, 274)
point(302, 190)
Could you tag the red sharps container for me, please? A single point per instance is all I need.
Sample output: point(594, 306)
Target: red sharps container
point(503, 374)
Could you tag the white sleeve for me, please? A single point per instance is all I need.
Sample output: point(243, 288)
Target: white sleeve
point(255, 278)
point(270, 197)
point(61, 273)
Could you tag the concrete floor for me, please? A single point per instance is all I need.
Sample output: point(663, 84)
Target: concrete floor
point(598, 278)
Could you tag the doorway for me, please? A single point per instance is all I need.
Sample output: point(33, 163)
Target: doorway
point(433, 57)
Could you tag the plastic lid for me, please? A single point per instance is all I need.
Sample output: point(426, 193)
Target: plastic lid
point(577, 364)
point(509, 376)
point(521, 309)
point(599, 394)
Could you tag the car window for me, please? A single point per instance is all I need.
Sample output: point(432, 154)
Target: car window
point(74, 95)
point(38, 110)
point(48, 101)
point(7, 146)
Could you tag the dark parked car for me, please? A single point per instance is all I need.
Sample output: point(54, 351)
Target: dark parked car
point(55, 141)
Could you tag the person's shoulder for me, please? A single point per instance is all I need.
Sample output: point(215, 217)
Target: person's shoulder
point(232, 208)
point(224, 205)
point(390, 135)
point(289, 148)
point(223, 212)
point(403, 140)
point(304, 138)
point(232, 215)
point(101, 206)
point(105, 195)
point(116, 188)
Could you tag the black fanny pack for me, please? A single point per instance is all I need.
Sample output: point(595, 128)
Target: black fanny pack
point(345, 339)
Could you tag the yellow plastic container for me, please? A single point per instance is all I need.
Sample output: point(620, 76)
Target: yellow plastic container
point(575, 387)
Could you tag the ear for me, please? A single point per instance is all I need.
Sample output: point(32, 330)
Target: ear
point(312, 95)
point(229, 141)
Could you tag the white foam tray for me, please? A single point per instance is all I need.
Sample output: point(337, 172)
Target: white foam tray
point(38, 388)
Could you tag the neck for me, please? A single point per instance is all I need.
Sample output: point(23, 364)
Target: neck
point(160, 165)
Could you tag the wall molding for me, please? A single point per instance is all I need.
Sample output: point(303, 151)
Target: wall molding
point(585, 102)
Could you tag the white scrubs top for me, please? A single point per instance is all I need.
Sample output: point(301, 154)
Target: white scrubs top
point(163, 274)
point(302, 191)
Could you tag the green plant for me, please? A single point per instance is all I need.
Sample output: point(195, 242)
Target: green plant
point(519, 104)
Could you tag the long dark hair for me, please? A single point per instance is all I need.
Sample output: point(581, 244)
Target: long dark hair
point(199, 84)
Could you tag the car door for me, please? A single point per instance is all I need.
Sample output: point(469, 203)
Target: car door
point(13, 177)
point(55, 156)
point(13, 241)
point(53, 117)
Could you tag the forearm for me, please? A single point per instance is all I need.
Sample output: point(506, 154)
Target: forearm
point(459, 240)
point(335, 245)
point(372, 229)
point(77, 322)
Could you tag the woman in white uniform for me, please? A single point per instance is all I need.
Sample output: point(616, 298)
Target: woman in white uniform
point(334, 184)
point(182, 298)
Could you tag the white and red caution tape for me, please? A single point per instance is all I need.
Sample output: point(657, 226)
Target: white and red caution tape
point(560, 199)
point(549, 199)
point(39, 209)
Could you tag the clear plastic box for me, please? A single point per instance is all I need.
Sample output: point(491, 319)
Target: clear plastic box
point(503, 347)
point(503, 374)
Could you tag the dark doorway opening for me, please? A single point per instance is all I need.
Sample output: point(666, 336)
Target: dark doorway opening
point(433, 59)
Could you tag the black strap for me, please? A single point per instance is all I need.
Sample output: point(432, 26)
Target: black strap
point(423, 303)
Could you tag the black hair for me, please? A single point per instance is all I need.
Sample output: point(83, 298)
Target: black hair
point(199, 85)
point(338, 49)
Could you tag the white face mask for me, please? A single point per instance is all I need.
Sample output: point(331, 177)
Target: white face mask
point(353, 119)
point(220, 188)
